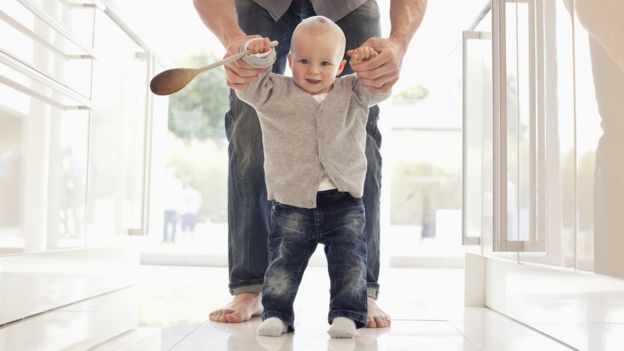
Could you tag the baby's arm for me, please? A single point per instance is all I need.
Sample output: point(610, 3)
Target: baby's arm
point(260, 91)
point(360, 55)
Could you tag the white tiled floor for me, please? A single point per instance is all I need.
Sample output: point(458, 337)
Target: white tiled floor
point(168, 309)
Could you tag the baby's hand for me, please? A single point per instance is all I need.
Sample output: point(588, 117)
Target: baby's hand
point(259, 45)
point(361, 54)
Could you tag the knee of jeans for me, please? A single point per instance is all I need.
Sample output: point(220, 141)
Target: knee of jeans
point(355, 281)
point(278, 282)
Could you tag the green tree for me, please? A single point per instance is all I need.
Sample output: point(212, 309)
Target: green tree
point(198, 109)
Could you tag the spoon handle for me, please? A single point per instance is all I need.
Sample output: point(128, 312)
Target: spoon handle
point(229, 59)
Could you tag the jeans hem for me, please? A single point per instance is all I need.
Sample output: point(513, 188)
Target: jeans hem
point(252, 286)
point(360, 319)
point(372, 290)
point(274, 314)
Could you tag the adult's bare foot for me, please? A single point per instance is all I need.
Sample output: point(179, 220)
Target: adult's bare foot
point(376, 317)
point(240, 309)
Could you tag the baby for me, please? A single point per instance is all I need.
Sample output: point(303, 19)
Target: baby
point(313, 132)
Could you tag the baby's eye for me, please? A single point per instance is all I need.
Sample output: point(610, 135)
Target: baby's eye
point(325, 63)
point(304, 61)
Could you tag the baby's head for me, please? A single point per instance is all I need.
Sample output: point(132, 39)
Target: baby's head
point(316, 54)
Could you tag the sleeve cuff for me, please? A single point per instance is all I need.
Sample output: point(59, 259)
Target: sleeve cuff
point(262, 60)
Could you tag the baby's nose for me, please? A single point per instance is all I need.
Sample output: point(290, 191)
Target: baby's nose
point(314, 68)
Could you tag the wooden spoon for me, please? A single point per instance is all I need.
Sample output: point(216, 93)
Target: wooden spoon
point(173, 80)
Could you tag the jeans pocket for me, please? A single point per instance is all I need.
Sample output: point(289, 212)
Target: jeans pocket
point(281, 213)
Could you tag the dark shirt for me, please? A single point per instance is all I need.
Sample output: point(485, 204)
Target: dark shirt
point(332, 9)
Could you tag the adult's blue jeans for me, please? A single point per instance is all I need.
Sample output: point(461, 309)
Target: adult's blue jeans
point(338, 223)
point(248, 208)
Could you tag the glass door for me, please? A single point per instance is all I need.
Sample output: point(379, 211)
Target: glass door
point(518, 138)
point(477, 117)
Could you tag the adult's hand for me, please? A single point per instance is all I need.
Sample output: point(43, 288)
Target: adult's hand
point(238, 73)
point(381, 72)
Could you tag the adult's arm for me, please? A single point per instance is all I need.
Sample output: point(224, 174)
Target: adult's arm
point(220, 17)
point(381, 72)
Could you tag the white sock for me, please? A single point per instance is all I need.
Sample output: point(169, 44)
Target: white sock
point(342, 327)
point(272, 327)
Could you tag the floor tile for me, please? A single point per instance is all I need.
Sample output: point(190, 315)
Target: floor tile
point(587, 336)
point(60, 330)
point(310, 334)
point(493, 331)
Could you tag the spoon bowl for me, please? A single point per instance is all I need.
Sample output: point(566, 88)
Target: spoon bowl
point(172, 80)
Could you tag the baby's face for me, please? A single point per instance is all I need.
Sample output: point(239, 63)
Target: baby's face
point(315, 61)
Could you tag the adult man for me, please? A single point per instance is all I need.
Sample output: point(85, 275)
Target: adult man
point(248, 210)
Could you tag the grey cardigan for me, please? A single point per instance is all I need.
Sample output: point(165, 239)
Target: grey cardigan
point(304, 139)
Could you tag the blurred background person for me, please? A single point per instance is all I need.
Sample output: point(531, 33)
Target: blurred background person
point(191, 204)
point(173, 194)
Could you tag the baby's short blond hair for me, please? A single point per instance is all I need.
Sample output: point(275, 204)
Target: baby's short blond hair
point(320, 25)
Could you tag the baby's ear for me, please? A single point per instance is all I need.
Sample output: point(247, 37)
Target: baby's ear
point(289, 60)
point(341, 67)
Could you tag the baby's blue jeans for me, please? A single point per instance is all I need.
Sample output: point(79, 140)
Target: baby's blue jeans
point(338, 223)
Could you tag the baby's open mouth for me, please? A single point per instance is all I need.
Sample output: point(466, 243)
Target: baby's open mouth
point(313, 81)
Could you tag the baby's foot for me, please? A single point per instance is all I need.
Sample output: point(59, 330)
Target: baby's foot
point(272, 327)
point(342, 327)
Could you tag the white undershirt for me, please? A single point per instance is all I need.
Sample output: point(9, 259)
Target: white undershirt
point(326, 183)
